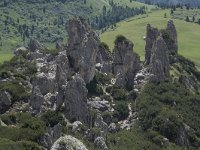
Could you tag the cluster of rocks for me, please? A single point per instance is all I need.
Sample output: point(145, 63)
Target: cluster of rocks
point(61, 80)
point(161, 47)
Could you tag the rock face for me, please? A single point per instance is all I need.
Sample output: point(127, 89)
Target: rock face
point(151, 36)
point(159, 63)
point(103, 54)
point(5, 101)
point(126, 63)
point(83, 45)
point(159, 46)
point(75, 99)
point(68, 143)
point(171, 38)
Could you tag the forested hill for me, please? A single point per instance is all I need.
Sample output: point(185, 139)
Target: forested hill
point(168, 3)
point(45, 20)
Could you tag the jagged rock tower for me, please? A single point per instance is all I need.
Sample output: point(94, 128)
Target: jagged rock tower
point(83, 45)
point(126, 63)
point(160, 45)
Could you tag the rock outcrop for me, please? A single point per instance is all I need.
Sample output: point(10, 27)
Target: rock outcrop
point(35, 45)
point(103, 55)
point(83, 45)
point(104, 59)
point(159, 63)
point(170, 37)
point(68, 143)
point(159, 46)
point(75, 100)
point(99, 143)
point(126, 63)
point(151, 36)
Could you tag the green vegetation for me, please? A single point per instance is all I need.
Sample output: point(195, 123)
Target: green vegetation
point(134, 139)
point(46, 21)
point(169, 110)
point(135, 29)
point(23, 131)
point(18, 67)
point(52, 118)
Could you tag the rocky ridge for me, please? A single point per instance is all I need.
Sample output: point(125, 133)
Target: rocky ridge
point(62, 82)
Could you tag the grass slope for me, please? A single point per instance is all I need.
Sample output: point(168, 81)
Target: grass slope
point(135, 29)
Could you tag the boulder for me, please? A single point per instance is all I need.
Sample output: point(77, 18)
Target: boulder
point(76, 126)
point(112, 128)
point(20, 51)
point(68, 143)
point(99, 105)
point(99, 143)
point(83, 45)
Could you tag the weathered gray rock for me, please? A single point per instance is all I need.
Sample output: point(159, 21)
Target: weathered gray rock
point(159, 63)
point(112, 128)
point(36, 99)
point(5, 101)
point(63, 71)
point(57, 130)
point(68, 143)
point(76, 126)
point(75, 99)
point(103, 55)
point(99, 143)
point(171, 38)
point(46, 141)
point(20, 51)
point(2, 124)
point(100, 105)
point(83, 45)
point(151, 36)
point(45, 83)
point(34, 45)
point(99, 123)
point(126, 63)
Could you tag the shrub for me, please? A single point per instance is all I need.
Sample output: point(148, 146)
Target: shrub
point(119, 94)
point(26, 127)
point(165, 108)
point(120, 39)
point(52, 118)
point(121, 111)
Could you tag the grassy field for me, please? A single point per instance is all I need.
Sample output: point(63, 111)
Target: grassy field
point(135, 28)
point(183, 13)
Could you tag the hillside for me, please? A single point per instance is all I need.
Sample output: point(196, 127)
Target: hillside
point(83, 97)
point(169, 3)
point(21, 20)
point(134, 28)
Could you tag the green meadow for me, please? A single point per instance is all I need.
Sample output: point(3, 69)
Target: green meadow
point(135, 29)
